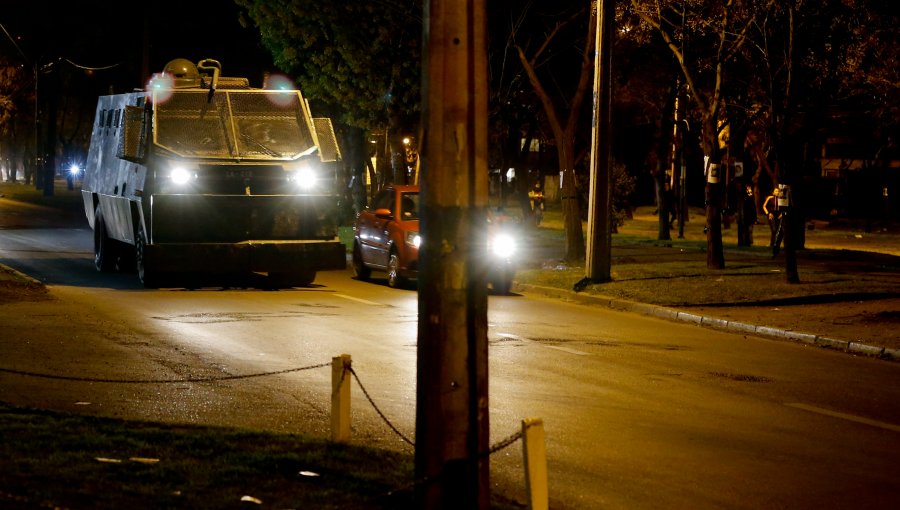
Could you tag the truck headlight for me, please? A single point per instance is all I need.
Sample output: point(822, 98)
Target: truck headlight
point(503, 246)
point(413, 239)
point(181, 175)
point(303, 176)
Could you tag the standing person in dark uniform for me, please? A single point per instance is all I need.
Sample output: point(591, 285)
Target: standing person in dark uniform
point(778, 216)
point(770, 209)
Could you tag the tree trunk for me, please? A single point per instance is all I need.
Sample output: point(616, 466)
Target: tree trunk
point(664, 155)
point(49, 169)
point(663, 203)
point(715, 257)
point(398, 174)
point(356, 154)
point(575, 247)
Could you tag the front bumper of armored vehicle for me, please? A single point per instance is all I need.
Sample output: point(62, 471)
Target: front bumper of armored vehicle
point(288, 234)
point(253, 256)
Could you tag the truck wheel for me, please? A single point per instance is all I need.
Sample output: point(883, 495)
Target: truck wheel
point(360, 270)
point(104, 247)
point(502, 280)
point(293, 279)
point(149, 278)
point(502, 285)
point(394, 278)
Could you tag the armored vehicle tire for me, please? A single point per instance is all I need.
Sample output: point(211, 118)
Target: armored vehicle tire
point(360, 270)
point(148, 277)
point(501, 285)
point(105, 249)
point(393, 272)
point(293, 279)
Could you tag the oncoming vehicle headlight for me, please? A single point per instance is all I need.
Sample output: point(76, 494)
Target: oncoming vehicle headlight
point(181, 175)
point(503, 245)
point(413, 239)
point(303, 176)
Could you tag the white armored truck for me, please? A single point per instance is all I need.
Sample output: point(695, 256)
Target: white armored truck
point(201, 174)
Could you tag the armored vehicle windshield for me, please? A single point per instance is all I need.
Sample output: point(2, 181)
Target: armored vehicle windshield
point(233, 124)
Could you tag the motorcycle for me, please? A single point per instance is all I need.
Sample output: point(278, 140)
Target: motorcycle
point(502, 252)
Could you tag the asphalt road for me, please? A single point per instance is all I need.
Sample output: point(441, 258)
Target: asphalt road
point(639, 412)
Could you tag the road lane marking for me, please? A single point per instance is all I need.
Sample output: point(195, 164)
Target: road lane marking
point(844, 416)
point(566, 349)
point(358, 300)
point(558, 348)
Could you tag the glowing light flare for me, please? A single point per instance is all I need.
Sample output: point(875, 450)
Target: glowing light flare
point(304, 176)
point(180, 175)
point(503, 245)
point(281, 83)
point(161, 87)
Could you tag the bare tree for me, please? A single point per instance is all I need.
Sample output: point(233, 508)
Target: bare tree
point(564, 122)
point(720, 29)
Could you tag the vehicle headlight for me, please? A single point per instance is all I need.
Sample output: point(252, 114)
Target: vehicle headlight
point(413, 239)
point(181, 175)
point(303, 176)
point(503, 245)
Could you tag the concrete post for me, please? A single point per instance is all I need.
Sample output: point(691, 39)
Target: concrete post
point(340, 398)
point(535, 454)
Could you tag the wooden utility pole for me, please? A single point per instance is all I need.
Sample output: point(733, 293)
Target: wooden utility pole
point(598, 260)
point(452, 434)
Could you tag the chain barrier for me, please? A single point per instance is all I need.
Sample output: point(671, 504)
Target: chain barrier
point(500, 445)
point(160, 381)
point(504, 443)
point(512, 438)
point(496, 447)
point(377, 410)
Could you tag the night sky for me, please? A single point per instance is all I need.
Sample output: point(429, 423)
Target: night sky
point(101, 33)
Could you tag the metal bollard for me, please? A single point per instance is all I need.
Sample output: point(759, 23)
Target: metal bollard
point(535, 454)
point(340, 398)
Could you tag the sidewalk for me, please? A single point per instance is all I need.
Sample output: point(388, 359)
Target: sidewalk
point(848, 298)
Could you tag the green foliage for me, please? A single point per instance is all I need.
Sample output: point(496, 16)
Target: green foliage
point(361, 60)
point(623, 185)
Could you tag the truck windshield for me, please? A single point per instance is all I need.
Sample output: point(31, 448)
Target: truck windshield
point(234, 124)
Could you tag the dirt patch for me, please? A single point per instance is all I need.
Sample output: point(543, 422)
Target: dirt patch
point(16, 287)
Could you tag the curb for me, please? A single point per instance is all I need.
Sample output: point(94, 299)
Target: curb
point(848, 346)
point(29, 280)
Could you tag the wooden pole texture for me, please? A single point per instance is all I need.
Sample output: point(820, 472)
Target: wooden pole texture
point(598, 260)
point(452, 394)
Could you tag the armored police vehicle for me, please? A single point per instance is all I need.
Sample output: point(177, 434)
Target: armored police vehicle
point(201, 174)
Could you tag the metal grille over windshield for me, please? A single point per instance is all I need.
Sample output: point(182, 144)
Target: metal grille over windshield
point(257, 125)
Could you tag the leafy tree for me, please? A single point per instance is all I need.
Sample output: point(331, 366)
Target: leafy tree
point(358, 61)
